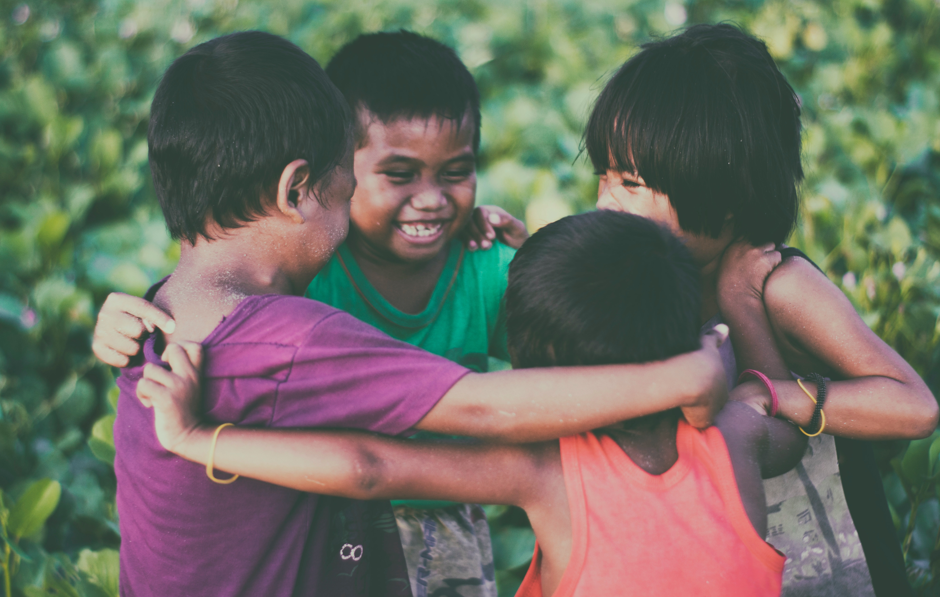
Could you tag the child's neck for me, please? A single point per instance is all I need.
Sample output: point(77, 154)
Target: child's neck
point(709, 273)
point(650, 443)
point(406, 285)
point(212, 278)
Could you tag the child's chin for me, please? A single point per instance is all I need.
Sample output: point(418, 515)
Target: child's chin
point(423, 251)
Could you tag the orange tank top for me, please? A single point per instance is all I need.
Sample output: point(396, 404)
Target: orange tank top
point(684, 532)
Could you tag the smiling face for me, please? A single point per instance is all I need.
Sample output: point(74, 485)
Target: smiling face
point(416, 187)
point(627, 192)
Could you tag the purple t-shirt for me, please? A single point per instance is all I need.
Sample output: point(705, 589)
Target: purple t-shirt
point(275, 361)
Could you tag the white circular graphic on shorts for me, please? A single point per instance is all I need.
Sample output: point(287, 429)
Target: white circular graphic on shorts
point(348, 551)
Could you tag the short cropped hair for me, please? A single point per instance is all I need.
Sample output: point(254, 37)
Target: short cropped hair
point(404, 75)
point(228, 117)
point(706, 118)
point(601, 288)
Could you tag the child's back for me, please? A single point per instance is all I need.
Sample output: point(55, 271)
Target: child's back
point(654, 504)
point(634, 532)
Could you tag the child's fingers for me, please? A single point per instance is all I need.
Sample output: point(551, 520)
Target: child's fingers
point(147, 391)
point(179, 360)
point(141, 309)
point(159, 375)
point(118, 342)
point(109, 356)
point(717, 334)
point(481, 222)
point(474, 234)
point(122, 323)
point(488, 217)
point(194, 352)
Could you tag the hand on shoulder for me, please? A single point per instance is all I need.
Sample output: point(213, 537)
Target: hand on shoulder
point(489, 223)
point(743, 272)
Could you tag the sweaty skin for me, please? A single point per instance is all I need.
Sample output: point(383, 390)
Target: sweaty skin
point(875, 394)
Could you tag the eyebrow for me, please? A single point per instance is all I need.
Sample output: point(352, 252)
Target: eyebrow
point(404, 159)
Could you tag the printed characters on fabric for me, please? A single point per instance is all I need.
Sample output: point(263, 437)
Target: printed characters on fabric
point(437, 544)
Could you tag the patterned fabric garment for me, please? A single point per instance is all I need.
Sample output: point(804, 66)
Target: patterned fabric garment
point(448, 551)
point(809, 521)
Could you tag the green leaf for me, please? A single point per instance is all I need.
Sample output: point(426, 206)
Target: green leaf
point(932, 457)
point(512, 547)
point(53, 228)
point(916, 465)
point(13, 546)
point(101, 441)
point(102, 568)
point(113, 394)
point(34, 507)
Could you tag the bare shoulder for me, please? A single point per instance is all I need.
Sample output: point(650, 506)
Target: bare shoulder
point(797, 290)
point(793, 278)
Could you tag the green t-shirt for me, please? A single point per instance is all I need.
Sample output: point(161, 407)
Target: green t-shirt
point(463, 322)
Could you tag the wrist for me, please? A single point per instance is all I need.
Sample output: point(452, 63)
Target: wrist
point(194, 446)
point(794, 405)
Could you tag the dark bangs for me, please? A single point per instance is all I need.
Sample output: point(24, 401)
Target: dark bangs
point(707, 119)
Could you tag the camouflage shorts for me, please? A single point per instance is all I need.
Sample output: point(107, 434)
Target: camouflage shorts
point(448, 551)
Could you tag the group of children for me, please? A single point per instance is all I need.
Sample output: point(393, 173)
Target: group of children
point(356, 187)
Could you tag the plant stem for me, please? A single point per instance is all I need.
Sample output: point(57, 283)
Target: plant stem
point(909, 535)
point(6, 571)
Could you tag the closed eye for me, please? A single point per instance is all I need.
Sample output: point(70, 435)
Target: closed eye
point(458, 174)
point(400, 176)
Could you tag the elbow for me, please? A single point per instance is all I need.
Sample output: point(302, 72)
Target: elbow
point(370, 476)
point(928, 415)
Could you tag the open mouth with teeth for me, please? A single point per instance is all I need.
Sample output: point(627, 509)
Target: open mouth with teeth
point(421, 231)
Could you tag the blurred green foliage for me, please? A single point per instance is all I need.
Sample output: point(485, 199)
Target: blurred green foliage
point(78, 217)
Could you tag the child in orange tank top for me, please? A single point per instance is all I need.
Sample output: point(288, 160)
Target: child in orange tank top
point(648, 507)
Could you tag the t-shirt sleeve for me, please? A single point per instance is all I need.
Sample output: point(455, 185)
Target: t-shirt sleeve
point(349, 374)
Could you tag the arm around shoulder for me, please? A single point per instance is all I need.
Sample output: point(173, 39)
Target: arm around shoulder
point(529, 405)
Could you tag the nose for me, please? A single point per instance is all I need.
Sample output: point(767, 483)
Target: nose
point(605, 200)
point(429, 198)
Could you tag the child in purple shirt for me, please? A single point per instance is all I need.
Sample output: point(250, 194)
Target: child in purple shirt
point(251, 155)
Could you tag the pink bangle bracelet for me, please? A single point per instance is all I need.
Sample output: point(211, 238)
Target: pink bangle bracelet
point(770, 386)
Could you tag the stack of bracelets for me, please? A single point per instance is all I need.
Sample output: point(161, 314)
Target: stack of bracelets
point(819, 417)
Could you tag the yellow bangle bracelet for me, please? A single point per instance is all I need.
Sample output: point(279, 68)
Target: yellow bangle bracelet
point(215, 438)
point(822, 421)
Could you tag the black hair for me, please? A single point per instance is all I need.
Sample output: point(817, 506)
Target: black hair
point(601, 288)
point(404, 75)
point(228, 117)
point(706, 118)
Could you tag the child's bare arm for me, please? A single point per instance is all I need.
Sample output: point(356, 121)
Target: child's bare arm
point(345, 463)
point(525, 405)
point(121, 322)
point(760, 447)
point(876, 395)
point(744, 271)
point(777, 445)
point(529, 405)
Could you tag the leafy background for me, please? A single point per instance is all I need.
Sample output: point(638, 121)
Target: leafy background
point(78, 217)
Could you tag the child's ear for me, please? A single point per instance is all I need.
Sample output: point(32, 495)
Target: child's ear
point(291, 186)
